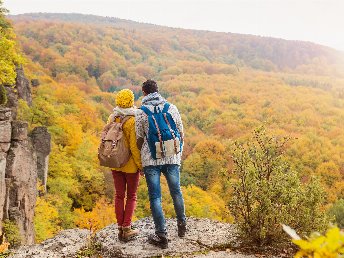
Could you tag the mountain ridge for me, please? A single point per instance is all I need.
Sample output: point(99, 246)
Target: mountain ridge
point(265, 53)
point(113, 20)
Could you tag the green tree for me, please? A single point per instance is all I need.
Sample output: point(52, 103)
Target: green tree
point(9, 57)
point(205, 164)
point(267, 192)
point(3, 22)
point(337, 211)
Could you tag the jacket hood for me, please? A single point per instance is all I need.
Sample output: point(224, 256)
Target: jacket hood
point(118, 111)
point(153, 99)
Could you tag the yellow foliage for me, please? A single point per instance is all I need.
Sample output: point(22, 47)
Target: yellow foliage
point(4, 247)
point(9, 57)
point(46, 219)
point(331, 245)
point(198, 203)
point(210, 149)
point(72, 136)
point(202, 204)
point(102, 215)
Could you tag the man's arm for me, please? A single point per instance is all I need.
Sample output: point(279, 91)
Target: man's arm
point(178, 120)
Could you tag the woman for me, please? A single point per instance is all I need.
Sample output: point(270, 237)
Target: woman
point(126, 178)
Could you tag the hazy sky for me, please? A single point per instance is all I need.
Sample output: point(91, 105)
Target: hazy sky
point(320, 21)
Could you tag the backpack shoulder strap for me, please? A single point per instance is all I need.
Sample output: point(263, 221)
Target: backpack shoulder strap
point(146, 110)
point(166, 107)
point(125, 119)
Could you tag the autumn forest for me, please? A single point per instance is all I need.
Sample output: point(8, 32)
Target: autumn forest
point(225, 86)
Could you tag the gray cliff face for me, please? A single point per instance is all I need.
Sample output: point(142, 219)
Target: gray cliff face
point(21, 180)
point(21, 90)
point(21, 160)
point(5, 143)
point(41, 140)
point(23, 86)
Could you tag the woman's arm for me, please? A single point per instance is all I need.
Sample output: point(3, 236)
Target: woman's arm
point(133, 145)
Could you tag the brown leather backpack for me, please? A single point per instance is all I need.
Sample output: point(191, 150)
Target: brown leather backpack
point(114, 151)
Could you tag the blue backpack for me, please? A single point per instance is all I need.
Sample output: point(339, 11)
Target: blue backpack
point(163, 137)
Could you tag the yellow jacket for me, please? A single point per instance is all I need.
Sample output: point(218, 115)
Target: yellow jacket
point(134, 162)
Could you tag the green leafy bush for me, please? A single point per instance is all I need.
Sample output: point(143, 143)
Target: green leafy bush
point(267, 192)
point(11, 232)
point(337, 211)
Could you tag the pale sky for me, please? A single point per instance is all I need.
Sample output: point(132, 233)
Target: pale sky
point(319, 21)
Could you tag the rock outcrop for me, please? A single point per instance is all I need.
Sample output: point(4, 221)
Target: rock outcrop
point(22, 158)
point(205, 238)
point(203, 235)
point(23, 86)
point(66, 244)
point(41, 140)
point(5, 143)
point(21, 90)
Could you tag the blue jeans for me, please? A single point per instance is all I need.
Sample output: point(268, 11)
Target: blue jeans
point(172, 174)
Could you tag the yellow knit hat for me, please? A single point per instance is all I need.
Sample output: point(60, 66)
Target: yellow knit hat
point(125, 98)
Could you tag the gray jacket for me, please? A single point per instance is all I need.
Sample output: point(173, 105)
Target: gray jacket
point(141, 119)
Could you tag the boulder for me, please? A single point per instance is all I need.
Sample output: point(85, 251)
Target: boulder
point(66, 244)
point(205, 238)
point(202, 235)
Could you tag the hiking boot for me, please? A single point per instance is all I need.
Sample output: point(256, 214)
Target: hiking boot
point(158, 240)
point(181, 229)
point(120, 233)
point(129, 233)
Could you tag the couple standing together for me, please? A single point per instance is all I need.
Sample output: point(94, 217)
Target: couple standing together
point(150, 159)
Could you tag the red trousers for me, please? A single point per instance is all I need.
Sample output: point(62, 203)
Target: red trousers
point(125, 182)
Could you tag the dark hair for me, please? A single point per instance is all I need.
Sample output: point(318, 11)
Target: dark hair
point(150, 86)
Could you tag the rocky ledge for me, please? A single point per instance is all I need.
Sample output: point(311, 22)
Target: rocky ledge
point(205, 238)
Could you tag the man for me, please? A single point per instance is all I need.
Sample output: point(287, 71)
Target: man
point(153, 167)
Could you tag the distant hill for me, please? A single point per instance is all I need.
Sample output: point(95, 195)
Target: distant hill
point(264, 53)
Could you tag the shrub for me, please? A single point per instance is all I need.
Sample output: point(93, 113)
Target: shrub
point(267, 192)
point(11, 232)
point(337, 211)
